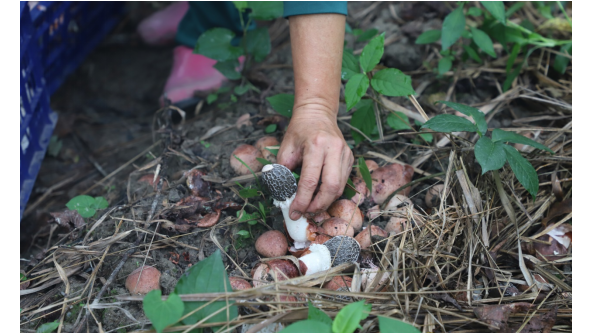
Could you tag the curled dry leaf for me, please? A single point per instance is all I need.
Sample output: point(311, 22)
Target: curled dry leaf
point(210, 219)
point(541, 324)
point(197, 185)
point(70, 219)
point(389, 178)
point(497, 315)
point(281, 269)
point(190, 204)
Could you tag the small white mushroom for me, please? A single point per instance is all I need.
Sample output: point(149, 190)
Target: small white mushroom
point(336, 251)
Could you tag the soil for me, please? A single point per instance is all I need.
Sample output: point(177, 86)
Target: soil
point(106, 115)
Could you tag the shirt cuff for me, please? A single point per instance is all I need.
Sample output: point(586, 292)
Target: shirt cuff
point(292, 8)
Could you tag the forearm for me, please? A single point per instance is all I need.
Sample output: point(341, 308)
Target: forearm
point(317, 42)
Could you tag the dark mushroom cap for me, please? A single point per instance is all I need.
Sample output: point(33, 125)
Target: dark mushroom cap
point(279, 181)
point(343, 249)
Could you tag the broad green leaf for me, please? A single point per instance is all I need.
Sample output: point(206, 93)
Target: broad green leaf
point(240, 5)
point(448, 123)
point(523, 170)
point(100, 203)
point(429, 36)
point(504, 136)
point(350, 65)
point(445, 65)
point(243, 233)
point(453, 27)
point(248, 217)
point(270, 128)
point(496, 8)
point(162, 313)
point(84, 204)
point(216, 44)
point(365, 173)
point(348, 319)
point(307, 326)
point(240, 90)
point(207, 276)
point(356, 87)
point(513, 56)
point(363, 119)
point(483, 41)
point(560, 62)
point(476, 114)
point(318, 315)
point(367, 35)
point(427, 137)
point(265, 10)
point(228, 69)
point(472, 53)
point(349, 191)
point(398, 121)
point(490, 155)
point(474, 11)
point(372, 53)
point(515, 7)
point(211, 98)
point(257, 43)
point(392, 82)
point(390, 325)
point(48, 327)
point(282, 103)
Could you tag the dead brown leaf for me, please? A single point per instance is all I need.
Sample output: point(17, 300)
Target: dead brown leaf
point(558, 209)
point(497, 315)
point(70, 219)
point(540, 324)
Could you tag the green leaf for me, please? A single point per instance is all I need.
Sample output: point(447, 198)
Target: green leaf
point(270, 128)
point(490, 155)
point(349, 192)
point(309, 326)
point(207, 276)
point(257, 43)
point(228, 68)
point(247, 193)
point(427, 137)
point(216, 44)
point(248, 217)
point(349, 65)
point(23, 277)
point(523, 170)
point(205, 144)
point(372, 53)
point(265, 10)
point(472, 53)
point(240, 5)
point(162, 313)
point(453, 27)
point(483, 41)
point(54, 147)
point(398, 121)
point(496, 8)
point(84, 204)
point(273, 151)
point(357, 32)
point(356, 87)
point(390, 325)
point(240, 90)
point(365, 173)
point(48, 327)
point(367, 35)
point(445, 65)
point(211, 98)
point(504, 136)
point(282, 103)
point(318, 315)
point(429, 36)
point(476, 114)
point(474, 11)
point(263, 161)
point(448, 123)
point(363, 119)
point(348, 319)
point(243, 233)
point(513, 56)
point(515, 7)
point(100, 203)
point(560, 62)
point(392, 82)
point(546, 12)
point(233, 98)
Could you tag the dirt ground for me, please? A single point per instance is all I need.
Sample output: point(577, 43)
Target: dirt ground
point(106, 115)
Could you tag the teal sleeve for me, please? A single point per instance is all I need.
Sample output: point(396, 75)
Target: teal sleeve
point(292, 8)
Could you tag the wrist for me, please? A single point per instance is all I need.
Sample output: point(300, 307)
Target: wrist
point(316, 108)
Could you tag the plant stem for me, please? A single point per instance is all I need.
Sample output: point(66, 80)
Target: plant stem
point(564, 12)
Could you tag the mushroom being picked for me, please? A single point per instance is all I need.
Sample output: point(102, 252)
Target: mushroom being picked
point(282, 186)
point(336, 251)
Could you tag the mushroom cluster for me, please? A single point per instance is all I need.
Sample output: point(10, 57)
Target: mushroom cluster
point(249, 155)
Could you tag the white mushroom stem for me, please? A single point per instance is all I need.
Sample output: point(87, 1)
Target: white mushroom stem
point(296, 229)
point(317, 261)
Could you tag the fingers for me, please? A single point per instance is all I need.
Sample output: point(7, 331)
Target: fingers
point(311, 170)
point(333, 180)
point(288, 155)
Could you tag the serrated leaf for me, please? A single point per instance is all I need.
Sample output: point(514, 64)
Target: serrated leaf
point(162, 313)
point(523, 170)
point(367, 35)
point(48, 327)
point(211, 98)
point(270, 128)
point(228, 69)
point(257, 42)
point(429, 36)
point(372, 53)
point(392, 82)
point(483, 41)
point(398, 121)
point(453, 27)
point(445, 64)
point(216, 44)
point(309, 326)
point(318, 315)
point(350, 65)
point(265, 10)
point(504, 136)
point(472, 53)
point(100, 203)
point(207, 276)
point(490, 155)
point(365, 173)
point(496, 8)
point(448, 123)
point(282, 103)
point(474, 11)
point(348, 319)
point(467, 110)
point(363, 119)
point(390, 325)
point(356, 87)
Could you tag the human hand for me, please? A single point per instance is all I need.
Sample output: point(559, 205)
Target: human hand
point(313, 138)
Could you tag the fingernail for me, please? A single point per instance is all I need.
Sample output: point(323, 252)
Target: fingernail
point(295, 215)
